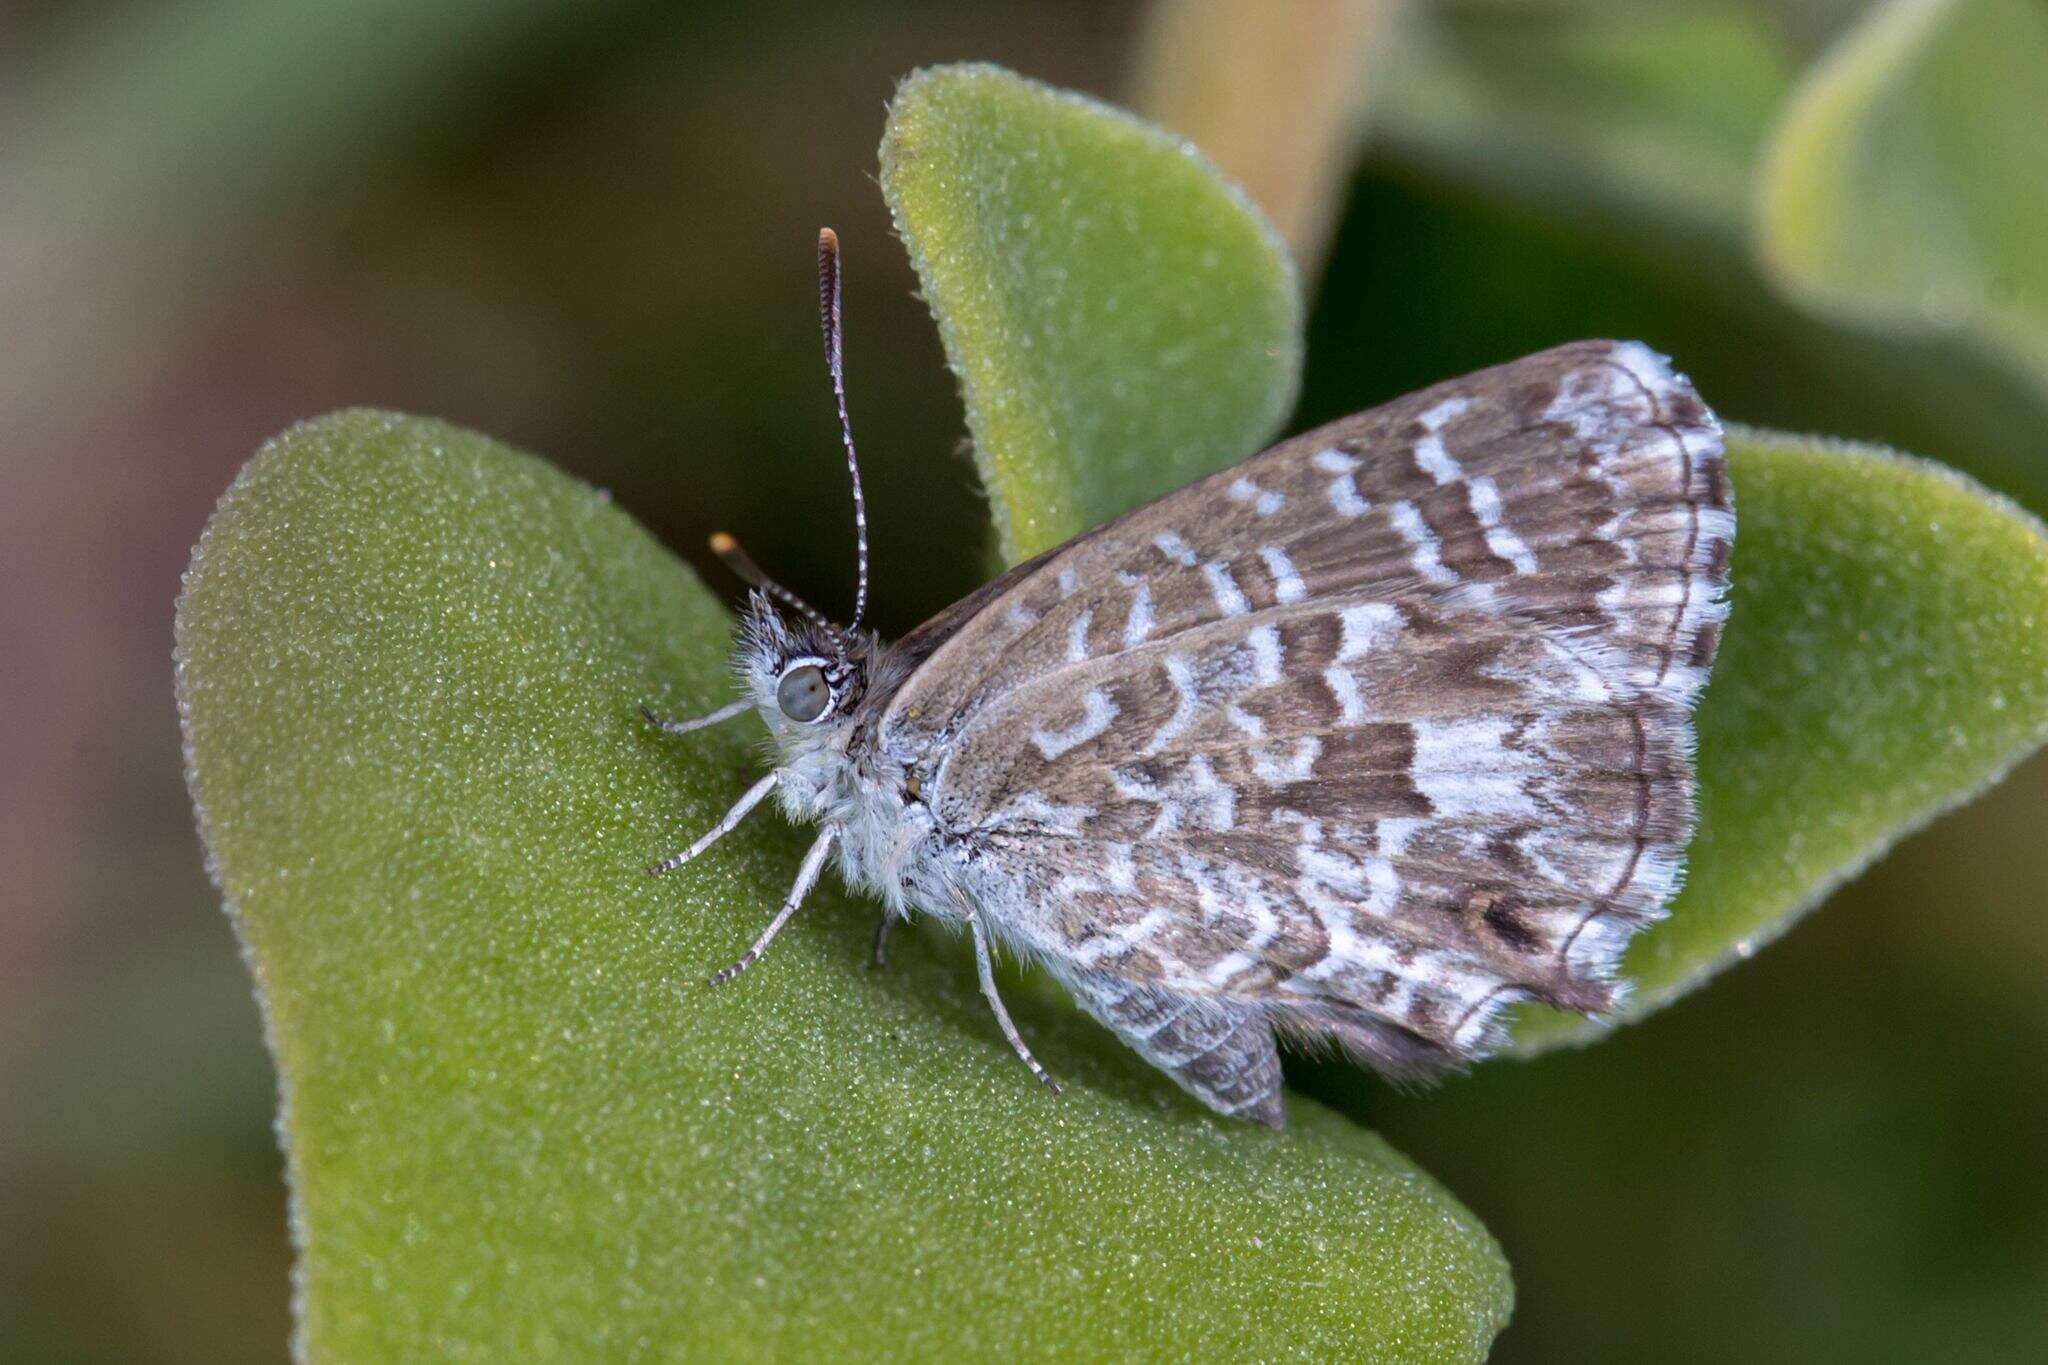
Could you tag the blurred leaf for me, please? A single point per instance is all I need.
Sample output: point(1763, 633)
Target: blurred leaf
point(1495, 280)
point(409, 661)
point(1607, 157)
point(1653, 111)
point(250, 98)
point(160, 154)
point(1121, 320)
point(1274, 93)
point(1907, 184)
point(1886, 659)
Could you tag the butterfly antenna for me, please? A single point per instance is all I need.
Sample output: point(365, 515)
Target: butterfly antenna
point(828, 319)
point(728, 550)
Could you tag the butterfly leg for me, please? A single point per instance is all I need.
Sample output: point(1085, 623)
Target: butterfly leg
point(755, 795)
point(684, 727)
point(986, 970)
point(806, 878)
point(879, 955)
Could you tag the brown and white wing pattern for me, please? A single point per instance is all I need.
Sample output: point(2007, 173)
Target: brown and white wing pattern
point(1364, 738)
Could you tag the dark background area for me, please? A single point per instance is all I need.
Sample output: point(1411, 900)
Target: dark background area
point(587, 230)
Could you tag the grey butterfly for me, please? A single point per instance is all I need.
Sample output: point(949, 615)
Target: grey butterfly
point(1358, 741)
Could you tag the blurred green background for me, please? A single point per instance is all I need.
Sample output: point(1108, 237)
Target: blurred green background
point(586, 229)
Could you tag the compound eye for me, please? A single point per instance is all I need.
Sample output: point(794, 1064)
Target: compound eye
point(803, 694)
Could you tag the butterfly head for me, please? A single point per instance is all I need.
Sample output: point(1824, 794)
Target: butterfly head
point(805, 677)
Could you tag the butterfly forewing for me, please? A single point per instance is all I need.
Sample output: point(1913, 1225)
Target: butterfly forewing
point(1366, 737)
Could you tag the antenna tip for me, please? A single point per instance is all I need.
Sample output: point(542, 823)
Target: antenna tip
point(828, 240)
point(723, 544)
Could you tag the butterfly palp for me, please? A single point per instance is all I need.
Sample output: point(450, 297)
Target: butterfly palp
point(728, 550)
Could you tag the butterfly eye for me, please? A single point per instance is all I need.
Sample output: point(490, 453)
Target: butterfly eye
point(803, 694)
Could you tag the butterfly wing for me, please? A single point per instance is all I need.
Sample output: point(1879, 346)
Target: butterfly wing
point(1220, 1050)
point(1366, 737)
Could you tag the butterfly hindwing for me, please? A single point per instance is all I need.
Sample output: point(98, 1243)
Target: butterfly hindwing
point(1220, 1050)
point(1365, 737)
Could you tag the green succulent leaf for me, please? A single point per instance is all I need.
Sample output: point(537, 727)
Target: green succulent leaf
point(518, 1126)
point(409, 666)
point(1886, 658)
point(1907, 185)
point(1120, 318)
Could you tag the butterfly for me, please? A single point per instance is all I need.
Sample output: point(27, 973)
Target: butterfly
point(1359, 741)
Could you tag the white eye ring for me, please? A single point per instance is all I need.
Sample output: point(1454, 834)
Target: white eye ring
point(803, 693)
